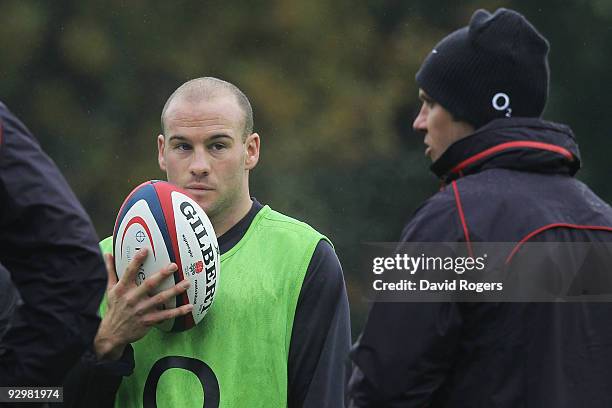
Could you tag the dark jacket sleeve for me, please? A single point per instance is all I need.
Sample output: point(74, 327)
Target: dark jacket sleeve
point(406, 349)
point(93, 383)
point(9, 299)
point(404, 354)
point(49, 247)
point(321, 335)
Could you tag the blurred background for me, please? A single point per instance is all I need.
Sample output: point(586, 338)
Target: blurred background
point(331, 84)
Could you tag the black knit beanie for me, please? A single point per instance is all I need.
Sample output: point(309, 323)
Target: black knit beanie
point(496, 67)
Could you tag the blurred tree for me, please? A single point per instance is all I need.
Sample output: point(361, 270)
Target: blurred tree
point(331, 83)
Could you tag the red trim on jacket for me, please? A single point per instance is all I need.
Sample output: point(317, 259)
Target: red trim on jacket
point(466, 232)
point(551, 226)
point(513, 145)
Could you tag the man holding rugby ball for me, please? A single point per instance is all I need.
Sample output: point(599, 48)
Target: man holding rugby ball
point(278, 332)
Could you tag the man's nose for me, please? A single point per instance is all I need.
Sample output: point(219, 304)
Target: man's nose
point(200, 164)
point(420, 122)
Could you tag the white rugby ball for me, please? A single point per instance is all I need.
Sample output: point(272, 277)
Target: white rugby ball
point(161, 217)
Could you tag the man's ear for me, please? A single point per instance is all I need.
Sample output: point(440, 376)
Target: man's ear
point(160, 152)
point(252, 151)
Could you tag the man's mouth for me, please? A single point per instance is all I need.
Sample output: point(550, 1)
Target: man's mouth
point(198, 187)
point(427, 148)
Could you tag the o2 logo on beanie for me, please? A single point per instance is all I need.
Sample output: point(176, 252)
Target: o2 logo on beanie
point(501, 102)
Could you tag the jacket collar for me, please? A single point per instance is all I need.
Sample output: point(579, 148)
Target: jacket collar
point(527, 144)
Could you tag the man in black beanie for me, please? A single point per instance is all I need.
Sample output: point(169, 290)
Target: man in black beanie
point(508, 176)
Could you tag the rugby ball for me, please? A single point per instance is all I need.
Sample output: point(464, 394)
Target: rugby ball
point(163, 218)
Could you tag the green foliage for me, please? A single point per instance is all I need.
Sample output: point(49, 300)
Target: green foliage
point(331, 83)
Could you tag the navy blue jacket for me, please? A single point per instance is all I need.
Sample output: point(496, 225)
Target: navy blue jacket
point(49, 258)
point(511, 181)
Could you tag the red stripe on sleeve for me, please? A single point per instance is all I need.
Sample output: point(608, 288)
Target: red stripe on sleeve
point(551, 226)
point(466, 232)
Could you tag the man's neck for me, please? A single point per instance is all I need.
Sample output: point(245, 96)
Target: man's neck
point(223, 225)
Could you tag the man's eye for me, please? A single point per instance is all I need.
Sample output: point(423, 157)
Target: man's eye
point(217, 146)
point(182, 146)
